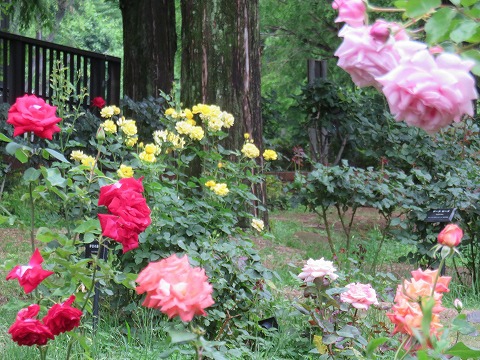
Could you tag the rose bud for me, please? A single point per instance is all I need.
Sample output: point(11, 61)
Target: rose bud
point(450, 236)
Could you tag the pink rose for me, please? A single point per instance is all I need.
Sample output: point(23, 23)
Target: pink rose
point(381, 31)
point(317, 269)
point(30, 113)
point(429, 276)
point(27, 330)
point(451, 235)
point(366, 53)
point(176, 288)
point(63, 317)
point(352, 12)
point(361, 296)
point(429, 92)
point(31, 275)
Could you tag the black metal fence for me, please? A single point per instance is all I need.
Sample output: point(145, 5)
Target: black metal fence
point(26, 65)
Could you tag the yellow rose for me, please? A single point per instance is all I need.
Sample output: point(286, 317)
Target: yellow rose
point(269, 155)
point(197, 133)
point(220, 165)
point(258, 224)
point(220, 189)
point(116, 110)
point(183, 127)
point(191, 122)
point(169, 111)
point(107, 112)
point(131, 141)
point(246, 136)
point(228, 120)
point(147, 157)
point(77, 155)
point(188, 114)
point(210, 183)
point(150, 149)
point(109, 127)
point(215, 124)
point(128, 127)
point(250, 150)
point(88, 161)
point(125, 171)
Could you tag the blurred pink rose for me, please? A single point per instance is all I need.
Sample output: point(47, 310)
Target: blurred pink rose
point(429, 276)
point(429, 92)
point(381, 30)
point(352, 12)
point(366, 56)
point(451, 235)
point(361, 296)
point(316, 269)
point(175, 288)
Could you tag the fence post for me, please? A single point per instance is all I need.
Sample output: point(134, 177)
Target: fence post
point(16, 82)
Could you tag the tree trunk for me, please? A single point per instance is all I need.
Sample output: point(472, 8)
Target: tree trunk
point(150, 42)
point(221, 64)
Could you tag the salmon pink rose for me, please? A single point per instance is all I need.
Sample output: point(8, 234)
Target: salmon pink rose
point(63, 317)
point(31, 275)
point(428, 92)
point(27, 330)
point(30, 113)
point(429, 276)
point(361, 296)
point(352, 12)
point(451, 235)
point(175, 288)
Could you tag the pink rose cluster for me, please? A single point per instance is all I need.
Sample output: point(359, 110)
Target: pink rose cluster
point(129, 213)
point(27, 329)
point(314, 269)
point(176, 288)
point(407, 313)
point(361, 296)
point(426, 89)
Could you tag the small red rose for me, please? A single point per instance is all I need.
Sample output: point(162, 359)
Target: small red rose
point(27, 330)
point(31, 275)
point(63, 317)
point(30, 113)
point(98, 102)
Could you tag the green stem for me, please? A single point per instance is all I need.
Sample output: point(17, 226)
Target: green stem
point(442, 262)
point(32, 217)
point(400, 348)
point(383, 9)
point(43, 352)
point(69, 349)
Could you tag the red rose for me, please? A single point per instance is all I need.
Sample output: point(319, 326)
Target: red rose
point(26, 330)
point(451, 235)
point(63, 317)
point(109, 192)
point(30, 113)
point(119, 230)
point(31, 275)
point(98, 102)
point(132, 208)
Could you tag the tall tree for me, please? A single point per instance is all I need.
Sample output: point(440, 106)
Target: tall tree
point(150, 43)
point(221, 62)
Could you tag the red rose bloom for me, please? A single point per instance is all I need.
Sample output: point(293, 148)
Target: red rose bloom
point(31, 275)
point(98, 102)
point(30, 113)
point(26, 330)
point(117, 229)
point(109, 192)
point(63, 317)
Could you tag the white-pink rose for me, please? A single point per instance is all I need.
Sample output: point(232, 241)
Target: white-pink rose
point(365, 56)
point(381, 30)
point(318, 269)
point(429, 92)
point(352, 12)
point(361, 296)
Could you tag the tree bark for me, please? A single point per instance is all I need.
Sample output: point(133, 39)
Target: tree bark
point(221, 65)
point(150, 43)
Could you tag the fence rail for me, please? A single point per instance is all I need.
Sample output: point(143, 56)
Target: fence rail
point(26, 66)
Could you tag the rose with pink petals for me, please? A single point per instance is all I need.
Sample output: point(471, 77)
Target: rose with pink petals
point(451, 235)
point(428, 92)
point(352, 12)
point(176, 288)
point(31, 275)
point(367, 52)
point(361, 296)
point(314, 269)
point(429, 276)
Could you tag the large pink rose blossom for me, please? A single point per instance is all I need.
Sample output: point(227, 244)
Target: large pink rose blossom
point(30, 113)
point(361, 296)
point(368, 52)
point(317, 269)
point(352, 12)
point(429, 92)
point(175, 288)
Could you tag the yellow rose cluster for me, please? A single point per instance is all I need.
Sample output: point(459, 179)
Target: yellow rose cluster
point(221, 189)
point(250, 150)
point(128, 127)
point(79, 156)
point(149, 152)
point(125, 171)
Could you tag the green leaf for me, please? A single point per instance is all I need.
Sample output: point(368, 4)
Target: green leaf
point(463, 30)
point(54, 177)
point(437, 26)
point(463, 351)
point(177, 337)
point(466, 3)
point(418, 8)
point(348, 331)
point(475, 56)
point(92, 225)
point(373, 344)
point(4, 138)
point(31, 174)
point(57, 155)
